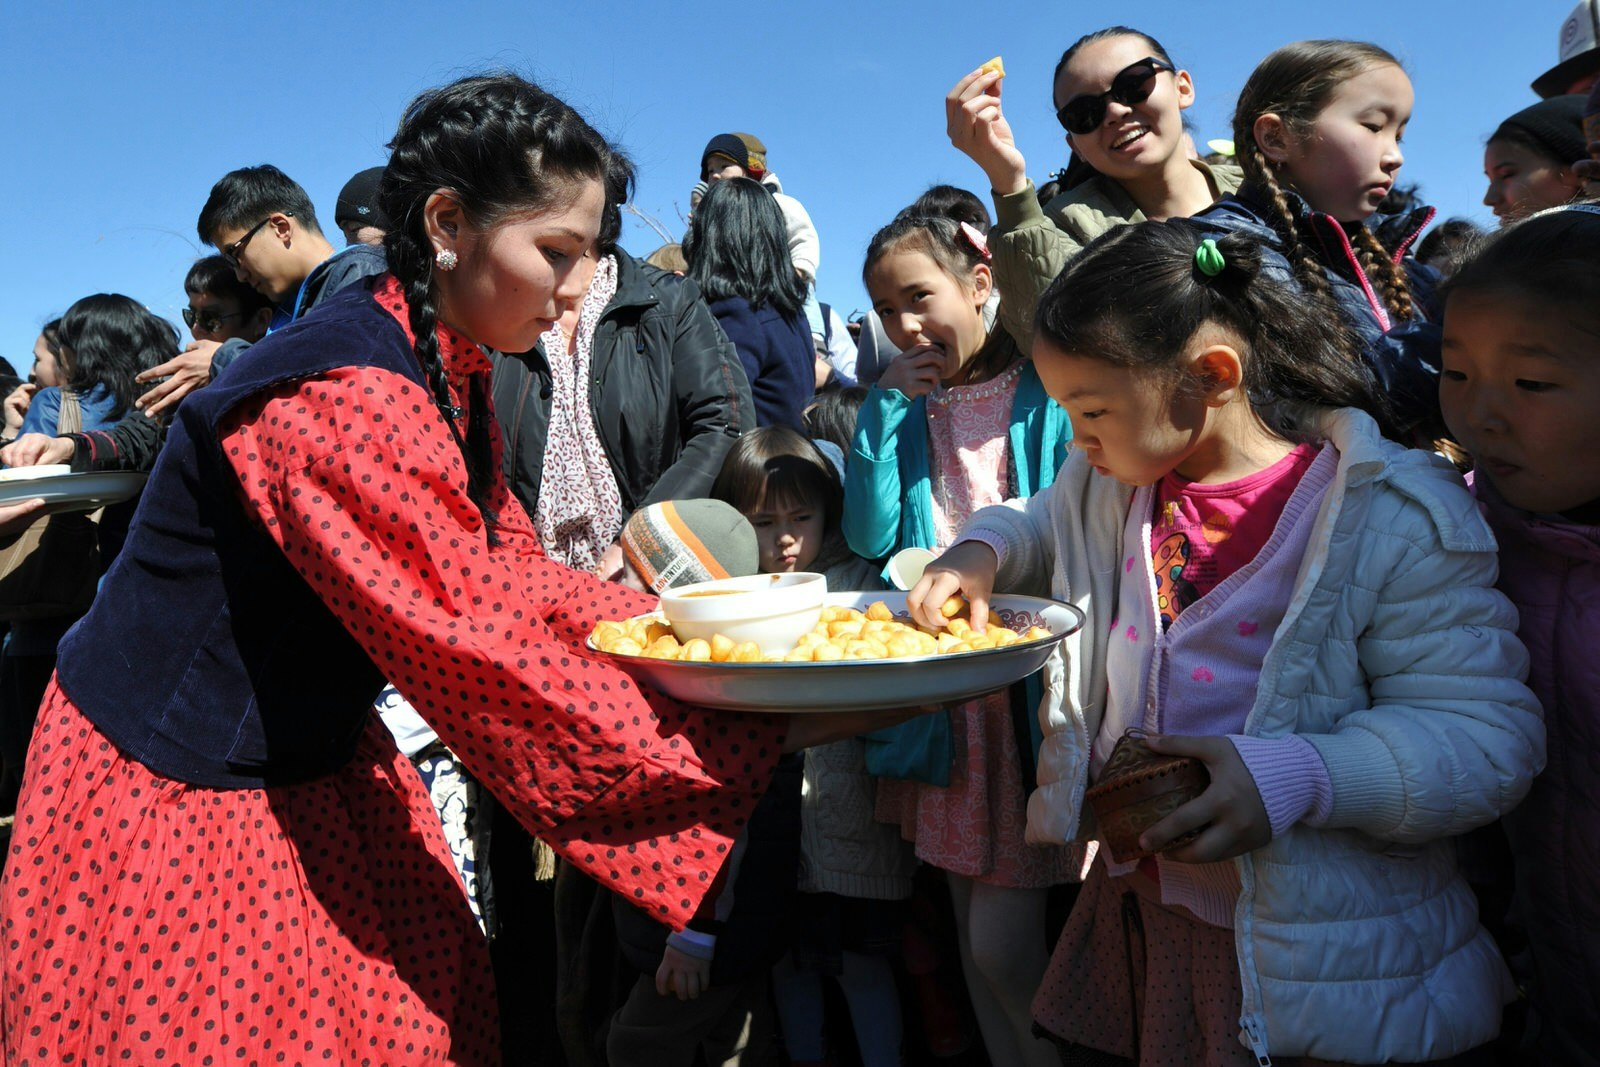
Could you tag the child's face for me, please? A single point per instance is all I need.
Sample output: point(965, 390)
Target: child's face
point(923, 306)
point(1521, 181)
point(788, 533)
point(1346, 163)
point(1519, 391)
point(1132, 426)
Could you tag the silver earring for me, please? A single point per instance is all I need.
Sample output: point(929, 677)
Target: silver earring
point(445, 259)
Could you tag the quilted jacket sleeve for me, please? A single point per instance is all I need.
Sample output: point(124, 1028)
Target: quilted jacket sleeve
point(1029, 251)
point(1452, 738)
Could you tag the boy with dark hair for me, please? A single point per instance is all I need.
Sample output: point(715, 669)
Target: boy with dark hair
point(221, 307)
point(263, 224)
point(242, 197)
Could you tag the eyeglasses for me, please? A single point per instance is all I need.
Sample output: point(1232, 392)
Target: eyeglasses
point(1085, 112)
point(231, 254)
point(206, 320)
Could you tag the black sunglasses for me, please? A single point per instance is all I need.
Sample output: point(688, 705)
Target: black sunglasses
point(1085, 112)
point(208, 320)
point(232, 253)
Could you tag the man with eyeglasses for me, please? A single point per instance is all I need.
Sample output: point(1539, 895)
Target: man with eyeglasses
point(265, 229)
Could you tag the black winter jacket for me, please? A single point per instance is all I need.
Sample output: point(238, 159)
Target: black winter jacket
point(669, 393)
point(1403, 357)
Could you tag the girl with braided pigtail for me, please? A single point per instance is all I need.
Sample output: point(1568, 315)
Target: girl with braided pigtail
point(1317, 130)
point(218, 847)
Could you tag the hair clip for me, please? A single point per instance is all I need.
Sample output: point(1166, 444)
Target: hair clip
point(1208, 258)
point(977, 240)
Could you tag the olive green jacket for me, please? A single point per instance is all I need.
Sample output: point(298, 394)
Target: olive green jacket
point(1031, 245)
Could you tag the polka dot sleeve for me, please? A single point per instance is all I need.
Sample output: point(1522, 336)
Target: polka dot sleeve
point(357, 479)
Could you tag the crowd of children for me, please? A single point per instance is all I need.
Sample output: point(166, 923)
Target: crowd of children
point(1330, 509)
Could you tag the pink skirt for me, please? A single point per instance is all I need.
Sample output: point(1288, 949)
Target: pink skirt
point(167, 923)
point(974, 826)
point(1127, 964)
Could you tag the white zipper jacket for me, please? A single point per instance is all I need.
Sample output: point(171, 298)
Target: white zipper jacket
point(1397, 659)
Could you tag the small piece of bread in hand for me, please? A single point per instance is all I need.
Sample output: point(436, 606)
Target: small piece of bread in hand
point(995, 65)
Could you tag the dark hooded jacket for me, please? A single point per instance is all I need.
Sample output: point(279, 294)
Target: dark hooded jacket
point(1403, 357)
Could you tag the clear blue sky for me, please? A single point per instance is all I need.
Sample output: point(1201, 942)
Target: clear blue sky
point(120, 116)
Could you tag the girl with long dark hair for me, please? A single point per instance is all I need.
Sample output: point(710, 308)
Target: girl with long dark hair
point(738, 252)
point(84, 374)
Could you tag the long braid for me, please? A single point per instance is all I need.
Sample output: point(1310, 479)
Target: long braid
point(1307, 268)
point(1387, 274)
point(498, 145)
point(411, 263)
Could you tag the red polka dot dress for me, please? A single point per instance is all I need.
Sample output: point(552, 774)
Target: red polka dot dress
point(146, 920)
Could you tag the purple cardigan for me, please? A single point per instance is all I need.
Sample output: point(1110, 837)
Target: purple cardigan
point(1550, 570)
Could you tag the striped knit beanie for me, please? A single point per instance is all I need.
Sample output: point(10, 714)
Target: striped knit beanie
point(678, 542)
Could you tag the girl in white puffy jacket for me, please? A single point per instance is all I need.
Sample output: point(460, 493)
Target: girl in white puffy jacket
point(1274, 589)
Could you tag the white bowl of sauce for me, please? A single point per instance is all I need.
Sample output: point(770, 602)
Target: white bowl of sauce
point(773, 610)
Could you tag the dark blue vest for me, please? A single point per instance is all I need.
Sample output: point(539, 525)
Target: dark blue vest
point(206, 656)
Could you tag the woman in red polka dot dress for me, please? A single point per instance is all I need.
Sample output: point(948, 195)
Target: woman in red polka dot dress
point(218, 855)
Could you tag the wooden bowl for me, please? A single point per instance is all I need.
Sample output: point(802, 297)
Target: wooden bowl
point(1139, 787)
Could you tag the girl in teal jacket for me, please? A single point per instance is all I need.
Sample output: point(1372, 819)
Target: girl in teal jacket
point(959, 421)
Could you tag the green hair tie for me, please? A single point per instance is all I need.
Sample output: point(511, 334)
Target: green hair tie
point(1208, 258)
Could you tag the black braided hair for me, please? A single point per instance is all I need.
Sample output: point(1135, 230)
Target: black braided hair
point(502, 147)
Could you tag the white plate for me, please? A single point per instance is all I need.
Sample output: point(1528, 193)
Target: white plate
point(865, 685)
point(74, 492)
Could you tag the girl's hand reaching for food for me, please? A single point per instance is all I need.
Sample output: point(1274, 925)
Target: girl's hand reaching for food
point(967, 569)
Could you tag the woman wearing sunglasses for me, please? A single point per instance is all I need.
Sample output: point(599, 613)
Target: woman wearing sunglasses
point(1120, 98)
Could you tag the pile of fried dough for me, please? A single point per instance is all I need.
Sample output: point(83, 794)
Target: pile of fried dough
point(843, 634)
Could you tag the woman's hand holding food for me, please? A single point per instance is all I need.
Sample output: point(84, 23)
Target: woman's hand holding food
point(977, 126)
point(967, 569)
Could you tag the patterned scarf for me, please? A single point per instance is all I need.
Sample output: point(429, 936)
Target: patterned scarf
point(579, 513)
